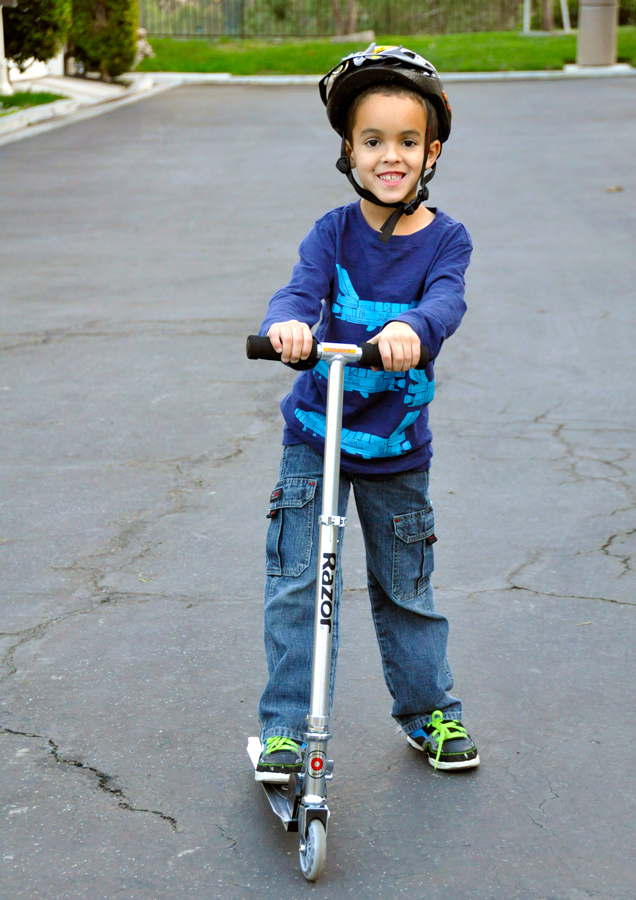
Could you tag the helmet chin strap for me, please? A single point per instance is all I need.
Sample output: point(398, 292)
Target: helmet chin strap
point(399, 209)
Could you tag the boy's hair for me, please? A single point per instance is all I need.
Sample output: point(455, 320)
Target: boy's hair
point(391, 90)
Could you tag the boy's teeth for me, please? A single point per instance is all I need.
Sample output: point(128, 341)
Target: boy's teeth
point(390, 177)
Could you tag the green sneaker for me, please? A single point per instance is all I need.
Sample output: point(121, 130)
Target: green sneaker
point(279, 758)
point(447, 744)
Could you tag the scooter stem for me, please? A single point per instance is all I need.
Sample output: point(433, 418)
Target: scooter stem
point(328, 546)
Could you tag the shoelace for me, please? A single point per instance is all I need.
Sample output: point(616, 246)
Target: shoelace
point(445, 731)
point(274, 744)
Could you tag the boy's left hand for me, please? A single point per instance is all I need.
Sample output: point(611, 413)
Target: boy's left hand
point(399, 347)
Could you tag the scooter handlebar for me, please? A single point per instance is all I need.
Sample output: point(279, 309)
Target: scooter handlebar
point(261, 348)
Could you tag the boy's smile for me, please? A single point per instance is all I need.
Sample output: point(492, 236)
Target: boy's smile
point(387, 149)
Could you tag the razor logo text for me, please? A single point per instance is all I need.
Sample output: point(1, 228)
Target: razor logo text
point(326, 591)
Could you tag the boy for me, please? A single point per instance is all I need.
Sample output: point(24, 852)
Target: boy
point(400, 279)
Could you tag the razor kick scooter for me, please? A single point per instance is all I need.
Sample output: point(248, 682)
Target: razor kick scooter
point(300, 799)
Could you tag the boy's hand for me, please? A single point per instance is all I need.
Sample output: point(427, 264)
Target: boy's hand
point(293, 339)
point(399, 346)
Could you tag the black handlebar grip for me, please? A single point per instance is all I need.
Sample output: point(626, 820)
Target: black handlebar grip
point(371, 356)
point(258, 347)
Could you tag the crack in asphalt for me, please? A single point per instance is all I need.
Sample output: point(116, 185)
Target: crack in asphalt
point(151, 328)
point(624, 559)
point(535, 591)
point(232, 841)
point(105, 782)
point(573, 457)
point(179, 500)
point(539, 593)
point(512, 577)
point(95, 566)
point(112, 599)
point(8, 658)
point(540, 825)
point(553, 796)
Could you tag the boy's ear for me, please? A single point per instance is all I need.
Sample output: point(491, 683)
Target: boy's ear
point(433, 152)
point(349, 150)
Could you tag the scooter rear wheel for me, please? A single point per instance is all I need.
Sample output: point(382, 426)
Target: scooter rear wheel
point(313, 852)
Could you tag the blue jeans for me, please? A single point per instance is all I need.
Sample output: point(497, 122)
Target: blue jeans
point(397, 520)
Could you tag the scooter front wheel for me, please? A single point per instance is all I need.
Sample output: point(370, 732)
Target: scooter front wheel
point(313, 851)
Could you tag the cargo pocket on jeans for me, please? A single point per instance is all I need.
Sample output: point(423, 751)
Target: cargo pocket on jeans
point(290, 534)
point(414, 536)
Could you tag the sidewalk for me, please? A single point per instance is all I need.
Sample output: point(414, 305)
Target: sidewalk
point(79, 93)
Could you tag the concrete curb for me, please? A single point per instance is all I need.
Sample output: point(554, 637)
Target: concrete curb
point(176, 78)
point(25, 117)
point(570, 72)
point(622, 70)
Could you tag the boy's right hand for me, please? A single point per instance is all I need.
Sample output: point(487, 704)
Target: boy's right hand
point(292, 339)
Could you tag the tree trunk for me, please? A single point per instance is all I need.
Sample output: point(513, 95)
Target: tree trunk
point(547, 15)
point(337, 17)
point(352, 17)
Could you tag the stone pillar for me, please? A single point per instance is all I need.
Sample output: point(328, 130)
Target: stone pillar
point(598, 33)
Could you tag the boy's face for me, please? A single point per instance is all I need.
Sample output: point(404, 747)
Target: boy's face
point(387, 146)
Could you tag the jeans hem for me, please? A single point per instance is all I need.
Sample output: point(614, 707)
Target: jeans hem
point(422, 721)
point(282, 732)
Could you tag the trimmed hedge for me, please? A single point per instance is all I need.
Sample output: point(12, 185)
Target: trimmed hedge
point(103, 35)
point(35, 29)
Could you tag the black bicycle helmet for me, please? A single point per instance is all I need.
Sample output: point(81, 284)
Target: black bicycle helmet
point(391, 66)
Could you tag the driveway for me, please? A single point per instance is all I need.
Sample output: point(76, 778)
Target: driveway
point(139, 450)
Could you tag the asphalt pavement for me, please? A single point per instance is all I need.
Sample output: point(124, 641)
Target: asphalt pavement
point(139, 448)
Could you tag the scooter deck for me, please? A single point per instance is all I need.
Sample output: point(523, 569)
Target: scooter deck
point(276, 787)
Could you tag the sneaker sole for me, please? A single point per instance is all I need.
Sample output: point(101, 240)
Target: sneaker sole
point(254, 748)
point(446, 766)
point(464, 764)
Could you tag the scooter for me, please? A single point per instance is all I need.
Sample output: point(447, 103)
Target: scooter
point(300, 800)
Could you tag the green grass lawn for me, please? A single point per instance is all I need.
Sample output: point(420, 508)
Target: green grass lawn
point(24, 99)
point(482, 52)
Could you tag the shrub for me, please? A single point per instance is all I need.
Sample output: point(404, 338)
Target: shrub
point(36, 29)
point(627, 12)
point(103, 35)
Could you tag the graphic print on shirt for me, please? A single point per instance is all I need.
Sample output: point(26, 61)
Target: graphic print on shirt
point(364, 380)
point(349, 307)
point(360, 443)
point(421, 390)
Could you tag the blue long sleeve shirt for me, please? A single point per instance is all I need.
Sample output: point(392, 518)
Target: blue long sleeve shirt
point(349, 284)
